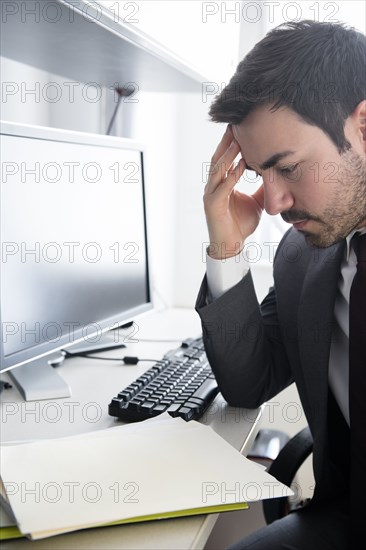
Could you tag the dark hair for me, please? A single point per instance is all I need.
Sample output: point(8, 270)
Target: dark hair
point(316, 69)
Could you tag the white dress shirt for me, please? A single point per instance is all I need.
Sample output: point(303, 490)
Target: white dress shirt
point(224, 274)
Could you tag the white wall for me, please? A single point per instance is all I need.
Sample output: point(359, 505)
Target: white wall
point(18, 103)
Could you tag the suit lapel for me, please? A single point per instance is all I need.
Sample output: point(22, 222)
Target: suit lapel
point(316, 318)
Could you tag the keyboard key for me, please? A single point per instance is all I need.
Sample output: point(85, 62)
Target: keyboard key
point(147, 406)
point(187, 413)
point(160, 408)
point(206, 389)
point(173, 408)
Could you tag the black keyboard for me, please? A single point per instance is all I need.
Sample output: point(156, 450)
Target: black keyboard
point(181, 383)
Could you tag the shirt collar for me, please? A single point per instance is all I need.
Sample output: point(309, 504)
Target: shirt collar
point(361, 231)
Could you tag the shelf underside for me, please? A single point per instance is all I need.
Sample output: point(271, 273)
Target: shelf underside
point(85, 50)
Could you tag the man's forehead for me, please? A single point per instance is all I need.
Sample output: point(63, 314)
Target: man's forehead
point(266, 114)
point(272, 131)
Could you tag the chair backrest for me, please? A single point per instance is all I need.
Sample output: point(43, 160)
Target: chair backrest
point(284, 468)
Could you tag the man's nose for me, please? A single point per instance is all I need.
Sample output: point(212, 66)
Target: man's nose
point(277, 197)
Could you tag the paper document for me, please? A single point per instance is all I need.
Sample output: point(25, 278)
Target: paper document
point(158, 468)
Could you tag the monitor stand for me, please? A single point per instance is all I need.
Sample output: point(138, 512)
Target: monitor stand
point(39, 380)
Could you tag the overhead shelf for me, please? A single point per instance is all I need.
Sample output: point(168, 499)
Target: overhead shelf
point(81, 41)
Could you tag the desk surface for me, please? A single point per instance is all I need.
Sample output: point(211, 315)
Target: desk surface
point(93, 384)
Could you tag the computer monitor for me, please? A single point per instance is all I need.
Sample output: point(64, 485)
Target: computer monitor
point(74, 253)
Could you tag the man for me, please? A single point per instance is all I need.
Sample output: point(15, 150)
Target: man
point(296, 112)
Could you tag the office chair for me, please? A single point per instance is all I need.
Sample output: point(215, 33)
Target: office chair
point(284, 468)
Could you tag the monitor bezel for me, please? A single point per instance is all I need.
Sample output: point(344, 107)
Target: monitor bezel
point(45, 349)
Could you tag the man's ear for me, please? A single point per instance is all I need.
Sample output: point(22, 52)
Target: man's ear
point(358, 118)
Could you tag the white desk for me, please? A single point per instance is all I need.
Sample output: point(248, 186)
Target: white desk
point(93, 385)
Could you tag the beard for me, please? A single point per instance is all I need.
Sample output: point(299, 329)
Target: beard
point(346, 209)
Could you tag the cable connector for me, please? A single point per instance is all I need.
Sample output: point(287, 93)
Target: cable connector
point(130, 360)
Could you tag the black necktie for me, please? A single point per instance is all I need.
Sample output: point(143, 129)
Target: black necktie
point(357, 389)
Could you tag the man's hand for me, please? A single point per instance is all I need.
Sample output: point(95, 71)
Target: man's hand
point(231, 216)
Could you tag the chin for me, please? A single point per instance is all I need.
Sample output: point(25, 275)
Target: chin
point(321, 241)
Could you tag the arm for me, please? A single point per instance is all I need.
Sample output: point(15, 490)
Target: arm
point(242, 340)
point(231, 216)
point(243, 344)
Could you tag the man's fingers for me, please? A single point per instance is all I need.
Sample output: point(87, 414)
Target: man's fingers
point(231, 152)
point(232, 179)
point(226, 139)
point(219, 170)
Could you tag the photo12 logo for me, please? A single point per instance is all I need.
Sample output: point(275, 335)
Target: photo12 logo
point(72, 492)
point(52, 12)
point(68, 171)
point(69, 91)
point(253, 12)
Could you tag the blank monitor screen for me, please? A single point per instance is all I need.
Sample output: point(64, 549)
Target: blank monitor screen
point(74, 256)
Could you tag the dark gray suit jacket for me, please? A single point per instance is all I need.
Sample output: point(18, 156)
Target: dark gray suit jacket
point(257, 350)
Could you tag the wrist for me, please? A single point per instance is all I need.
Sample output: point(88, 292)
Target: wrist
point(224, 251)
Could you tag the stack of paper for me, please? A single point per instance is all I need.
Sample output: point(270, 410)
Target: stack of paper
point(155, 469)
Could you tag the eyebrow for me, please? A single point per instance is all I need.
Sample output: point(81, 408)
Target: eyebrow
point(273, 160)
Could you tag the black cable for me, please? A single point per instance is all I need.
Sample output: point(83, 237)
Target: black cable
point(67, 353)
point(130, 360)
point(122, 92)
point(114, 113)
point(4, 385)
point(162, 341)
point(127, 360)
